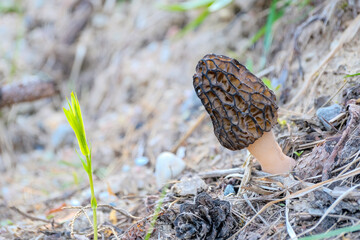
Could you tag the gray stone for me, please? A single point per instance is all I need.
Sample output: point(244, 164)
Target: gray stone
point(141, 161)
point(229, 190)
point(189, 186)
point(327, 113)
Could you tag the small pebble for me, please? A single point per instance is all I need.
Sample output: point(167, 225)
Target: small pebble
point(168, 166)
point(141, 161)
point(74, 202)
point(229, 190)
point(328, 113)
point(189, 186)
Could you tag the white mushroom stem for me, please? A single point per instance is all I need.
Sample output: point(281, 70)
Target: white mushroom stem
point(270, 156)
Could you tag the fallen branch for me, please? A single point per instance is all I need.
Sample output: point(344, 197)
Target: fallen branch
point(26, 92)
point(29, 216)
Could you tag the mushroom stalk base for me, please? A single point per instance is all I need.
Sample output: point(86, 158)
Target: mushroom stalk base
point(270, 156)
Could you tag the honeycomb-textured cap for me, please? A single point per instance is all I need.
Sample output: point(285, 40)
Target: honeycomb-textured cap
point(240, 105)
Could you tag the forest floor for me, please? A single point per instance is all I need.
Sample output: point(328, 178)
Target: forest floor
point(131, 66)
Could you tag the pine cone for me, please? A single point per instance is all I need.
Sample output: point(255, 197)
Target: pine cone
point(205, 219)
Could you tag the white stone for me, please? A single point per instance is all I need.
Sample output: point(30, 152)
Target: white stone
point(168, 166)
point(189, 186)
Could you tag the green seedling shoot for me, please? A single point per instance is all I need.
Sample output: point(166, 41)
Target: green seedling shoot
point(74, 117)
point(156, 213)
point(282, 122)
point(207, 7)
point(298, 153)
point(269, 84)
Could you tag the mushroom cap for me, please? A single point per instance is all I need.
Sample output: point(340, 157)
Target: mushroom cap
point(240, 105)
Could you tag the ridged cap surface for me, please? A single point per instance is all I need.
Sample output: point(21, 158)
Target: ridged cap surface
point(240, 105)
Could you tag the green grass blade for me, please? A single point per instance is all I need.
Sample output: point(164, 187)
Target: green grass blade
point(75, 165)
point(10, 8)
point(156, 213)
point(219, 4)
point(194, 24)
point(249, 64)
point(259, 34)
point(268, 33)
point(268, 27)
point(352, 75)
point(268, 83)
point(182, 7)
point(208, 5)
point(333, 233)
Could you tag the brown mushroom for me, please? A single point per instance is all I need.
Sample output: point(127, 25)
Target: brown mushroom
point(242, 109)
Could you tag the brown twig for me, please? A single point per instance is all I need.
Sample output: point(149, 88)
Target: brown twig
point(29, 216)
point(119, 210)
point(26, 92)
point(189, 132)
point(310, 145)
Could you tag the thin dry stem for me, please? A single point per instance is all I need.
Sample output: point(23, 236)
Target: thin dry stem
point(29, 216)
point(337, 201)
point(188, 133)
point(119, 210)
point(299, 193)
point(289, 229)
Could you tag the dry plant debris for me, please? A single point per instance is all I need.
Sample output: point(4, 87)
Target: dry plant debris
point(322, 159)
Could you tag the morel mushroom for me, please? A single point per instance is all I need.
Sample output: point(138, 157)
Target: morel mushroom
point(206, 219)
point(242, 109)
